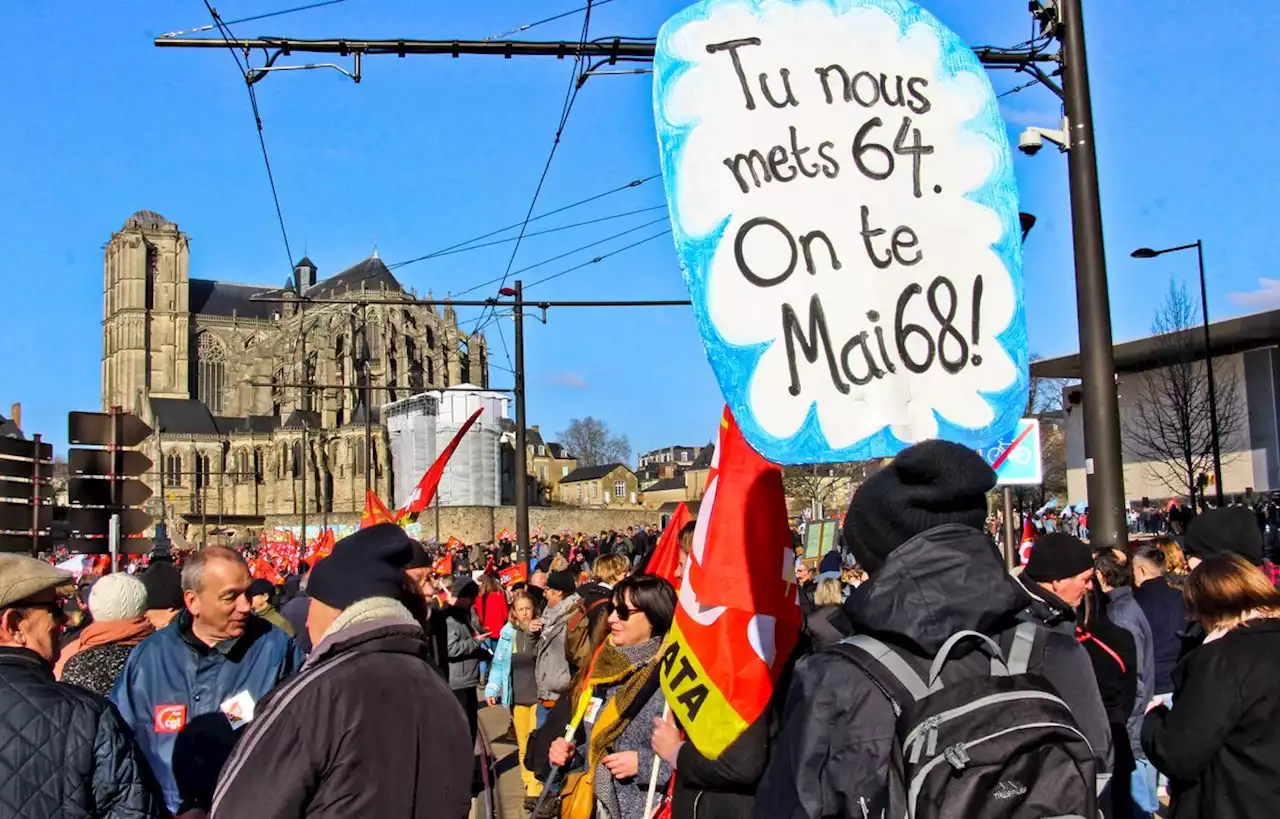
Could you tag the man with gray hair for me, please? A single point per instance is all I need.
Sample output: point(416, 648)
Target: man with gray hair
point(188, 689)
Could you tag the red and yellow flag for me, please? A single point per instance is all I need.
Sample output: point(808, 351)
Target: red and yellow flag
point(375, 511)
point(737, 620)
point(426, 488)
point(666, 555)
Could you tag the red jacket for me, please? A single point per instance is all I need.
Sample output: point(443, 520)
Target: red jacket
point(492, 610)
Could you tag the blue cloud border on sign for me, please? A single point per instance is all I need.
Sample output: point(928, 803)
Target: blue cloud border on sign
point(735, 368)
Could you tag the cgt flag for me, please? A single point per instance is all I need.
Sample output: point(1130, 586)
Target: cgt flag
point(737, 621)
point(375, 511)
point(666, 555)
point(426, 488)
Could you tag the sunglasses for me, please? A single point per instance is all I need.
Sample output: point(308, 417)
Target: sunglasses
point(624, 611)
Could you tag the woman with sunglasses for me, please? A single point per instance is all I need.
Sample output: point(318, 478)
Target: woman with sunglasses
point(618, 697)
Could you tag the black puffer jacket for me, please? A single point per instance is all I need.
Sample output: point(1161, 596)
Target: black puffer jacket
point(64, 752)
point(831, 758)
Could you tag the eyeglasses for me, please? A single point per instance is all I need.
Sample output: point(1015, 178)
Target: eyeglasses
point(624, 611)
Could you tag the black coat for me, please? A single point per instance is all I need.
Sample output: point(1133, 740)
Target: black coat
point(828, 624)
point(1220, 745)
point(831, 758)
point(368, 728)
point(64, 752)
point(1166, 613)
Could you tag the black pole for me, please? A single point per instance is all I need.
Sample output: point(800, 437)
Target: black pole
point(522, 485)
point(1103, 465)
point(1213, 392)
point(36, 501)
point(303, 405)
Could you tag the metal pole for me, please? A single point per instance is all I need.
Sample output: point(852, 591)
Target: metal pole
point(437, 499)
point(36, 501)
point(368, 399)
point(1103, 464)
point(522, 484)
point(303, 467)
point(113, 528)
point(304, 405)
point(113, 540)
point(1213, 392)
point(1010, 532)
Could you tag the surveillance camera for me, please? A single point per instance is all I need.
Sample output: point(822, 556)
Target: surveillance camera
point(1032, 139)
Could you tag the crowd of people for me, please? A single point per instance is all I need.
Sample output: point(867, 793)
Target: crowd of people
point(353, 689)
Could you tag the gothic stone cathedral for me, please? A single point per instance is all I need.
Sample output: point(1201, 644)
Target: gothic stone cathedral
point(221, 375)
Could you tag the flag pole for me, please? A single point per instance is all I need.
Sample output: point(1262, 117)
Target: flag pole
point(653, 774)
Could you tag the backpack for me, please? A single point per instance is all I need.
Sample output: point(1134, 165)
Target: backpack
point(577, 633)
point(1000, 745)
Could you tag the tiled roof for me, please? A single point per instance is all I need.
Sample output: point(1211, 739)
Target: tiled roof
point(210, 298)
point(666, 484)
point(592, 473)
point(371, 274)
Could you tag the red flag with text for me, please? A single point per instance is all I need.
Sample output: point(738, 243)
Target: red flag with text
point(375, 511)
point(666, 555)
point(1028, 540)
point(444, 565)
point(426, 488)
point(737, 620)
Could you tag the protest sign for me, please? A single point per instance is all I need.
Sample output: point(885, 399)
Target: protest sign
point(843, 203)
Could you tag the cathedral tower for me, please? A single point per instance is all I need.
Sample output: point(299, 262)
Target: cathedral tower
point(145, 327)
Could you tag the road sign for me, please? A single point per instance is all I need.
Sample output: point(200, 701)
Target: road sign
point(19, 517)
point(1018, 458)
point(94, 429)
point(102, 546)
point(25, 543)
point(98, 462)
point(25, 514)
point(25, 490)
point(87, 522)
point(18, 448)
point(97, 491)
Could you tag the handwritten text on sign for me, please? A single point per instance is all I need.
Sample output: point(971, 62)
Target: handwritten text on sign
point(844, 206)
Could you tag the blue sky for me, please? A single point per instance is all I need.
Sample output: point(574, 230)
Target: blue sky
point(427, 151)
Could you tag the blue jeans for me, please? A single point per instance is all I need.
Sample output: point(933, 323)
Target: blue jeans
point(488, 644)
point(543, 712)
point(1143, 787)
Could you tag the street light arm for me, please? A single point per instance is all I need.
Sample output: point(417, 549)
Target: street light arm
point(1148, 253)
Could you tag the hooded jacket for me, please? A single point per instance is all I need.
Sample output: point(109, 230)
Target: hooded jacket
point(831, 758)
point(322, 747)
point(463, 651)
point(1219, 744)
point(64, 752)
point(552, 671)
point(1167, 616)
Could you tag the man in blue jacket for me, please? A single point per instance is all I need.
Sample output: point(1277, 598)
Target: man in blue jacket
point(188, 689)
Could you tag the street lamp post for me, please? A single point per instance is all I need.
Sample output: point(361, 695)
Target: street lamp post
point(1148, 253)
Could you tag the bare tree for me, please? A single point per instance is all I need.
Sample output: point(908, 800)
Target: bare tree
point(1045, 401)
point(592, 443)
point(826, 485)
point(1169, 425)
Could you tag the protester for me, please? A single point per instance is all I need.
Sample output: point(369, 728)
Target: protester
point(464, 647)
point(1217, 531)
point(294, 583)
point(616, 734)
point(552, 668)
point(587, 625)
point(805, 587)
point(512, 682)
point(492, 612)
point(828, 623)
point(295, 610)
point(65, 751)
point(1220, 744)
point(260, 592)
point(1115, 577)
point(98, 656)
point(915, 527)
point(1174, 561)
point(163, 582)
point(187, 689)
point(1113, 654)
point(1165, 611)
point(368, 729)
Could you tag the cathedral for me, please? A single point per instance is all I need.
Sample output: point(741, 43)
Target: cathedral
point(257, 393)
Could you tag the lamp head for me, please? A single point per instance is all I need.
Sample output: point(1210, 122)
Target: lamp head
point(1144, 253)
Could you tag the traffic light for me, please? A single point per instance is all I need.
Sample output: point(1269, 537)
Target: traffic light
point(104, 482)
point(26, 492)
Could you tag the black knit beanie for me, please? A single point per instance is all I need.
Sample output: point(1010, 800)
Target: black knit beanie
point(1057, 556)
point(926, 485)
point(163, 582)
point(369, 563)
point(1231, 529)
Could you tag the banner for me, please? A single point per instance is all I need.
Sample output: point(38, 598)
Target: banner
point(426, 488)
point(843, 203)
point(375, 511)
point(737, 621)
point(666, 555)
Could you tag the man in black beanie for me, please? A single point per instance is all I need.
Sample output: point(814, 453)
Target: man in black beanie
point(1058, 575)
point(915, 527)
point(1229, 529)
point(369, 725)
point(464, 646)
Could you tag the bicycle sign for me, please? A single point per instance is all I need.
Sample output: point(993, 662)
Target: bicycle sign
point(1017, 459)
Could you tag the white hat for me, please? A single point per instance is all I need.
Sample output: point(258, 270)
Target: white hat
point(117, 597)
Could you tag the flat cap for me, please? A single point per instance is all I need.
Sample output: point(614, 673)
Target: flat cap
point(22, 576)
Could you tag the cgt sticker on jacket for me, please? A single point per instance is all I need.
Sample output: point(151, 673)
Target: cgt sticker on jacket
point(843, 202)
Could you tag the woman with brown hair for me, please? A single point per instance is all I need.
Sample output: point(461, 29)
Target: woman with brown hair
point(617, 698)
point(1175, 560)
point(512, 682)
point(1220, 744)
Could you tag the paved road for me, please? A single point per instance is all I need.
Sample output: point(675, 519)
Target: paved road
point(494, 722)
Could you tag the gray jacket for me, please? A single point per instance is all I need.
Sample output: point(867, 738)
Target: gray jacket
point(464, 651)
point(1126, 613)
point(551, 666)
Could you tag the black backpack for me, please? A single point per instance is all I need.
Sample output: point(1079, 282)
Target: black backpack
point(1001, 745)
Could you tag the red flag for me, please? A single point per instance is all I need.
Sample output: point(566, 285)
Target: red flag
point(444, 566)
point(426, 488)
point(666, 555)
point(505, 534)
point(375, 511)
point(491, 565)
point(1028, 539)
point(737, 622)
point(519, 573)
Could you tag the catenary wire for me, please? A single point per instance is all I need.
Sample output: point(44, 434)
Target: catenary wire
point(545, 20)
point(257, 17)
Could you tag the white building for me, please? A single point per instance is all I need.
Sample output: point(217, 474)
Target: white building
point(420, 427)
point(1246, 356)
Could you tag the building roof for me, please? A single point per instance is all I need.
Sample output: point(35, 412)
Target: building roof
point(147, 220)
point(1234, 335)
point(671, 506)
point(358, 417)
point(298, 417)
point(592, 473)
point(9, 429)
point(182, 416)
point(533, 438)
point(305, 262)
point(666, 484)
point(558, 451)
point(371, 274)
point(260, 424)
point(210, 298)
point(673, 448)
point(703, 461)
